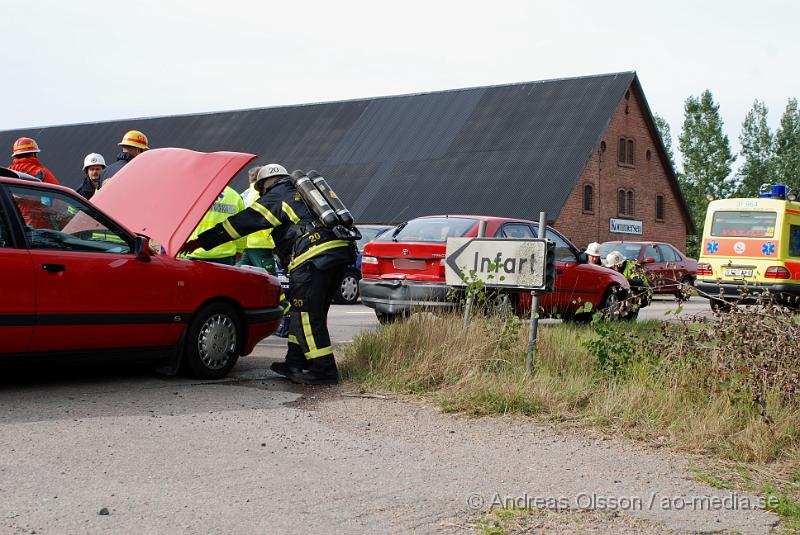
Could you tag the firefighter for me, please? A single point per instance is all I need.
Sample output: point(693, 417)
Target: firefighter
point(227, 204)
point(316, 260)
point(93, 165)
point(259, 246)
point(593, 252)
point(133, 144)
point(24, 159)
point(640, 288)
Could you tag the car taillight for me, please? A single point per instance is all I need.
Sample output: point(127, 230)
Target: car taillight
point(369, 260)
point(704, 270)
point(369, 266)
point(441, 268)
point(777, 272)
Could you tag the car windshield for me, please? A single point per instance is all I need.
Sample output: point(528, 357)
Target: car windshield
point(628, 250)
point(430, 229)
point(368, 234)
point(744, 224)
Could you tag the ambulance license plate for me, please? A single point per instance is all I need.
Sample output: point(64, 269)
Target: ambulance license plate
point(738, 273)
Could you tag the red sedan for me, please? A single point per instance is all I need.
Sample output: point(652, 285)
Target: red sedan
point(667, 268)
point(102, 277)
point(404, 268)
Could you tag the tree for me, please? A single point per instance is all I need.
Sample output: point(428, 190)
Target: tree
point(666, 137)
point(787, 147)
point(758, 151)
point(707, 159)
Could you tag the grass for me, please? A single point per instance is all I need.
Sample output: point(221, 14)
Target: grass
point(480, 370)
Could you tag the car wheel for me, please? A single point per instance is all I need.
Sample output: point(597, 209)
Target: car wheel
point(682, 290)
point(214, 341)
point(385, 319)
point(610, 305)
point(719, 306)
point(347, 293)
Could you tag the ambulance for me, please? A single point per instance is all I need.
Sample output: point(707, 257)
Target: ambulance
point(751, 250)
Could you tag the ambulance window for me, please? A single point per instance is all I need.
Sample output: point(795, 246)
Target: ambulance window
point(794, 240)
point(743, 224)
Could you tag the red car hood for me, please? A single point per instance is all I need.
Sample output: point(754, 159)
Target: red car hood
point(164, 193)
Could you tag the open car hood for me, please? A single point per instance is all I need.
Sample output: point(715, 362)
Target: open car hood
point(164, 193)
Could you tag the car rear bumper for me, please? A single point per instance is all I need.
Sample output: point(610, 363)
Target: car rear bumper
point(260, 323)
point(396, 296)
point(787, 293)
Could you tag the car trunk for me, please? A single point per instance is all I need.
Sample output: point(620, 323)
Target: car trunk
point(411, 261)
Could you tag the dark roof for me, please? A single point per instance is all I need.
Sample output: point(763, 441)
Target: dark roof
point(509, 150)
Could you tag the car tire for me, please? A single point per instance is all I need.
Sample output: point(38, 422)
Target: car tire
point(719, 306)
point(347, 291)
point(213, 342)
point(385, 319)
point(687, 280)
point(609, 306)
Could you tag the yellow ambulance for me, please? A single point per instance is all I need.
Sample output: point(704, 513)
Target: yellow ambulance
point(751, 250)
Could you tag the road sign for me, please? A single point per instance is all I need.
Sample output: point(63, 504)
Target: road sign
point(498, 262)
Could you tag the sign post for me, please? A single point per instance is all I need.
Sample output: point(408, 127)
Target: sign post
point(507, 263)
point(533, 331)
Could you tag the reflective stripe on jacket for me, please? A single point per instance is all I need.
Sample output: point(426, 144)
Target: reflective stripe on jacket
point(263, 238)
point(227, 204)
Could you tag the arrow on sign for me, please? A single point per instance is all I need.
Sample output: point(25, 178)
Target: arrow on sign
point(451, 260)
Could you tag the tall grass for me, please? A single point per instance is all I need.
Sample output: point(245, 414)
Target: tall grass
point(480, 370)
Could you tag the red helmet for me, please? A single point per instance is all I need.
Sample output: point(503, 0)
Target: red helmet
point(24, 145)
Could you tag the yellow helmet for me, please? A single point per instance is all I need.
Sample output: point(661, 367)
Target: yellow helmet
point(134, 138)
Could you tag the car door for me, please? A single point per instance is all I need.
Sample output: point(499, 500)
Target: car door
point(673, 270)
point(16, 287)
point(575, 285)
point(658, 273)
point(91, 290)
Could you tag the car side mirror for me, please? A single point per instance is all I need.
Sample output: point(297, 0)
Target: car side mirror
point(141, 248)
point(649, 260)
point(583, 258)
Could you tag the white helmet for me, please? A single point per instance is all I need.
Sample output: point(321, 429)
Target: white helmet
point(614, 259)
point(271, 170)
point(93, 159)
point(593, 249)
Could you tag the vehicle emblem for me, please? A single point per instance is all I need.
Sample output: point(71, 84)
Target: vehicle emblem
point(405, 252)
point(739, 247)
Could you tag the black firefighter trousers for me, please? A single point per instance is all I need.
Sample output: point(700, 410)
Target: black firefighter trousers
point(311, 291)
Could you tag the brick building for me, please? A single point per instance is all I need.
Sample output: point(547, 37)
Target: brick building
point(585, 150)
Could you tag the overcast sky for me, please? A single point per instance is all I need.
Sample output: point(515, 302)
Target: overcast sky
point(84, 60)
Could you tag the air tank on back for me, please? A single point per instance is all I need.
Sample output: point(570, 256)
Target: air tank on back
point(341, 210)
point(314, 199)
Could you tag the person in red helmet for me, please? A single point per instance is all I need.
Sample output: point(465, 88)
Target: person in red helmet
point(24, 159)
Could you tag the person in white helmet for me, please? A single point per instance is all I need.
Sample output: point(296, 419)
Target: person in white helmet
point(640, 288)
point(93, 165)
point(593, 252)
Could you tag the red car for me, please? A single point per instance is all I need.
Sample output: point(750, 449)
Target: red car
point(666, 266)
point(404, 267)
point(102, 277)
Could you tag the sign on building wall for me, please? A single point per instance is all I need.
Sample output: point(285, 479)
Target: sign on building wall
point(625, 226)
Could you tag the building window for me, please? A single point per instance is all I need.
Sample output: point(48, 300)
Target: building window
point(625, 151)
point(621, 202)
point(629, 204)
point(602, 146)
point(588, 198)
point(648, 155)
point(659, 208)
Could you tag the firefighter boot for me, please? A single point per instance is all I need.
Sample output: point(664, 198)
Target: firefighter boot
point(321, 371)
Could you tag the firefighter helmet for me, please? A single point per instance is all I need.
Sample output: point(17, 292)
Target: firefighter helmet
point(134, 138)
point(593, 249)
point(614, 259)
point(24, 145)
point(271, 170)
point(93, 159)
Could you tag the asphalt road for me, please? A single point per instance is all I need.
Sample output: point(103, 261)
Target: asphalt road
point(255, 454)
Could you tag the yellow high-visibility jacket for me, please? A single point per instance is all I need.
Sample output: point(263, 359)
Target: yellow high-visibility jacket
point(263, 238)
point(227, 204)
